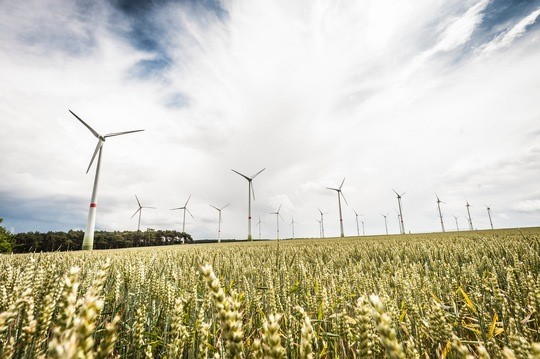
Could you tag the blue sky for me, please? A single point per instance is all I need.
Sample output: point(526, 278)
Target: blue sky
point(419, 96)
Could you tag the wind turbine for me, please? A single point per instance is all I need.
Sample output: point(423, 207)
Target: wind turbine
point(385, 222)
point(440, 213)
point(292, 224)
point(259, 224)
point(357, 228)
point(339, 195)
point(489, 215)
point(277, 219)
point(140, 212)
point(469, 213)
point(88, 241)
point(219, 221)
point(322, 221)
point(250, 191)
point(457, 225)
point(401, 225)
point(184, 218)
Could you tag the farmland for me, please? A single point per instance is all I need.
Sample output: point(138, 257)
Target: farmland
point(453, 295)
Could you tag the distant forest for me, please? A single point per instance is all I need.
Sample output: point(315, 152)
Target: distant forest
point(72, 240)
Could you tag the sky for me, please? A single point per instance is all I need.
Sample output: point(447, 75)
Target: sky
point(419, 96)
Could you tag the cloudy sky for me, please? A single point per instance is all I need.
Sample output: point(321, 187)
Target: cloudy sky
point(421, 96)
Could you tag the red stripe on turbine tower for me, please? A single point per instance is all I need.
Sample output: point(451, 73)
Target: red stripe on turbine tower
point(93, 204)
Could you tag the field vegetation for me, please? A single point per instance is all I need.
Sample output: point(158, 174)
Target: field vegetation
point(454, 295)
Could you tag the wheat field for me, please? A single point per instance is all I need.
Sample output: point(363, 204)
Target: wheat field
point(453, 295)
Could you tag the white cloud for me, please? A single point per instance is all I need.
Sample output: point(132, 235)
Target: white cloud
point(504, 39)
point(529, 205)
point(313, 91)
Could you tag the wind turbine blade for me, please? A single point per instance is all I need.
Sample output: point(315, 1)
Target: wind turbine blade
point(256, 174)
point(246, 177)
point(345, 199)
point(84, 123)
point(120, 133)
point(190, 213)
point(252, 189)
point(138, 202)
point(342, 183)
point(137, 211)
point(98, 147)
point(320, 210)
point(279, 208)
point(395, 192)
point(401, 195)
point(281, 217)
point(354, 210)
point(149, 207)
point(333, 189)
point(214, 207)
point(172, 209)
point(187, 201)
point(226, 207)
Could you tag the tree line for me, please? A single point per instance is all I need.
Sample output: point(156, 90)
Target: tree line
point(72, 240)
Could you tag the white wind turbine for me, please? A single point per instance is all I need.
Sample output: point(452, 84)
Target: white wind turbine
point(357, 228)
point(88, 241)
point(339, 195)
point(259, 224)
point(385, 222)
point(322, 221)
point(489, 215)
point(292, 224)
point(184, 217)
point(469, 213)
point(278, 216)
point(457, 225)
point(219, 221)
point(139, 210)
point(440, 213)
point(401, 225)
point(250, 191)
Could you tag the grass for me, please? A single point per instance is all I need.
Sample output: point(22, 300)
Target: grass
point(453, 295)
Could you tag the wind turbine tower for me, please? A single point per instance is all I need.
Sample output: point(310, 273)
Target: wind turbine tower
point(140, 212)
point(219, 221)
point(339, 195)
point(277, 220)
point(184, 217)
point(250, 191)
point(401, 225)
point(440, 213)
point(469, 213)
point(88, 241)
point(489, 215)
point(385, 222)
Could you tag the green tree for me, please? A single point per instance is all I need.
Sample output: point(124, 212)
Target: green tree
point(6, 239)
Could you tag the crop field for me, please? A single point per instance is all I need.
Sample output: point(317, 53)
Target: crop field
point(453, 295)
